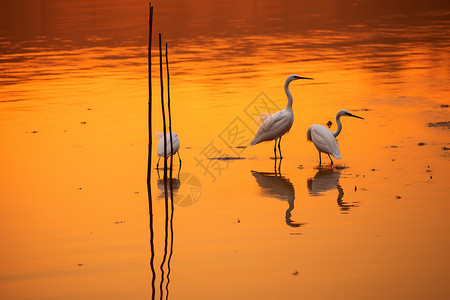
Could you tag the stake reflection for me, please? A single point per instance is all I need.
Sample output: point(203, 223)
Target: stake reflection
point(172, 185)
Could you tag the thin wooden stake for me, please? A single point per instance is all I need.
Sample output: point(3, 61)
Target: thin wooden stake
point(170, 117)
point(165, 169)
point(162, 107)
point(170, 176)
point(150, 23)
point(149, 190)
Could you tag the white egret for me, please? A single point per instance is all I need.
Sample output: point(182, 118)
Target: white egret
point(275, 126)
point(160, 148)
point(325, 140)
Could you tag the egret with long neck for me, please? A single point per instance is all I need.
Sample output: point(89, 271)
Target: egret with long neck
point(276, 125)
point(325, 140)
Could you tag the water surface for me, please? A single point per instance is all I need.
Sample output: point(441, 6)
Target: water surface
point(74, 219)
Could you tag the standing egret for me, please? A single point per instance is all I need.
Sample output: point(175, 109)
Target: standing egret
point(160, 148)
point(325, 140)
point(275, 126)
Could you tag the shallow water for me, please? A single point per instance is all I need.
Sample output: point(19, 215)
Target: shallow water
point(74, 219)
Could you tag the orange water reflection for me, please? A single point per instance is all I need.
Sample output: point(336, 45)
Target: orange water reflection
point(74, 211)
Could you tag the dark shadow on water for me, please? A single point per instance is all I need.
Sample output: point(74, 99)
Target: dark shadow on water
point(327, 179)
point(278, 186)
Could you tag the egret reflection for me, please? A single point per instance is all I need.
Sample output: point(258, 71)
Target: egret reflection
point(278, 186)
point(173, 187)
point(325, 180)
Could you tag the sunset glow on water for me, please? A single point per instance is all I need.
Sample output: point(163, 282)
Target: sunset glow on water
point(74, 208)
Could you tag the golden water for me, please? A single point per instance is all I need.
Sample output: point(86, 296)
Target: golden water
point(74, 220)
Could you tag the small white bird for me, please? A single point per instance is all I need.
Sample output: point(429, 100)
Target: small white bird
point(160, 148)
point(275, 126)
point(325, 140)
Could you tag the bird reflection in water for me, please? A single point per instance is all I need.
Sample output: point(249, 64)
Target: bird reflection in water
point(278, 186)
point(327, 179)
point(168, 187)
point(173, 186)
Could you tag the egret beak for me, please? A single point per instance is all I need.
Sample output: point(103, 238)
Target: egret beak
point(300, 77)
point(351, 115)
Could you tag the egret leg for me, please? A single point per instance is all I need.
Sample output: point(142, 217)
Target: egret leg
point(320, 159)
point(330, 158)
point(275, 166)
point(179, 158)
point(157, 164)
point(275, 149)
point(279, 148)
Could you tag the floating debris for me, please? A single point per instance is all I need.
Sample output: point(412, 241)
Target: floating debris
point(227, 158)
point(373, 170)
point(398, 197)
point(444, 105)
point(421, 144)
point(445, 148)
point(300, 167)
point(295, 273)
point(340, 167)
point(119, 222)
point(362, 109)
point(80, 265)
point(440, 124)
point(83, 123)
point(241, 147)
point(355, 188)
point(329, 123)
